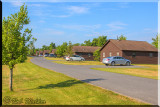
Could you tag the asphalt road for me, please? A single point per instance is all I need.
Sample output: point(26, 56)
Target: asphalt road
point(139, 88)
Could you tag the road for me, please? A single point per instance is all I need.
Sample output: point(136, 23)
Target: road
point(143, 89)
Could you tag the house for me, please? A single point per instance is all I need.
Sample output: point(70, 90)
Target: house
point(85, 51)
point(53, 51)
point(46, 52)
point(139, 52)
point(40, 52)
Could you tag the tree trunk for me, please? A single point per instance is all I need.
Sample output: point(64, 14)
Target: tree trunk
point(11, 75)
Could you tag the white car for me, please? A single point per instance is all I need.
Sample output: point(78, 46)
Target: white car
point(75, 58)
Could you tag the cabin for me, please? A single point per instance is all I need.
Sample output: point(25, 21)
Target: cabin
point(85, 51)
point(138, 52)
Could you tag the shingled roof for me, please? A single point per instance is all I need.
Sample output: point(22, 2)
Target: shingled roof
point(46, 51)
point(85, 48)
point(131, 45)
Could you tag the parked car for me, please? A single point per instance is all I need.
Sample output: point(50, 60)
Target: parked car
point(52, 55)
point(116, 60)
point(40, 55)
point(46, 55)
point(75, 58)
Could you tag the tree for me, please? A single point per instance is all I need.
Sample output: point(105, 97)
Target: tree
point(69, 51)
point(14, 41)
point(52, 46)
point(76, 44)
point(44, 47)
point(155, 41)
point(87, 43)
point(122, 38)
point(101, 40)
point(95, 42)
point(61, 49)
point(31, 47)
point(96, 55)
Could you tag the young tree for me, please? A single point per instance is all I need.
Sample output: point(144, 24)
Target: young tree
point(155, 41)
point(14, 42)
point(69, 51)
point(122, 38)
point(96, 55)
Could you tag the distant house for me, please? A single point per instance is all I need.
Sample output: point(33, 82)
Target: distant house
point(40, 52)
point(46, 52)
point(85, 51)
point(139, 52)
point(53, 51)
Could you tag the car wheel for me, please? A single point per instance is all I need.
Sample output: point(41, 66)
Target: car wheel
point(127, 63)
point(113, 63)
point(106, 64)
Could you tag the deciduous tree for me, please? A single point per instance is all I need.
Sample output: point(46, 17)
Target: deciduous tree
point(14, 41)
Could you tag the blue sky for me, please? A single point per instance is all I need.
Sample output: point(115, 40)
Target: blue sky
point(60, 22)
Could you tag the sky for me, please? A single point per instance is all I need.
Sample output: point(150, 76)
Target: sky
point(60, 22)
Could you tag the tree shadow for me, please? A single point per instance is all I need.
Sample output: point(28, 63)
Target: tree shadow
point(67, 83)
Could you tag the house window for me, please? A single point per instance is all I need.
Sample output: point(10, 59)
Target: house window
point(117, 53)
point(151, 54)
point(110, 54)
point(133, 55)
point(103, 54)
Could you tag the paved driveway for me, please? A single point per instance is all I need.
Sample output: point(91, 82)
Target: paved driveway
point(136, 87)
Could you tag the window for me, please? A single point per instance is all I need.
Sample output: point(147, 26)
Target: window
point(117, 53)
point(103, 54)
point(89, 55)
point(110, 54)
point(151, 54)
point(133, 55)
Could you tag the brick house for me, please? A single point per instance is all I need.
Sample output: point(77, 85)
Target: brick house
point(40, 52)
point(85, 51)
point(139, 52)
point(46, 52)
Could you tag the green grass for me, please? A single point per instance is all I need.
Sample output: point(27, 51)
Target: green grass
point(52, 58)
point(151, 71)
point(32, 81)
point(79, 62)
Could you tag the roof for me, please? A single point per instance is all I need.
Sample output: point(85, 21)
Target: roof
point(130, 45)
point(85, 48)
point(46, 51)
point(40, 51)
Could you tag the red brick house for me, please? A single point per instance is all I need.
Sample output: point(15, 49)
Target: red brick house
point(139, 52)
point(40, 52)
point(46, 52)
point(85, 51)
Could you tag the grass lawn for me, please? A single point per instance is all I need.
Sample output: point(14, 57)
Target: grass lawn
point(151, 71)
point(52, 58)
point(79, 62)
point(32, 81)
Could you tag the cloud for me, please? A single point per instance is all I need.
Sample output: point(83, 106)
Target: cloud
point(124, 4)
point(80, 27)
point(61, 16)
point(16, 3)
point(53, 32)
point(77, 9)
point(114, 26)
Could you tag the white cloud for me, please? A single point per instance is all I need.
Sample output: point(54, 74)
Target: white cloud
point(53, 32)
point(16, 3)
point(114, 26)
point(78, 9)
point(80, 27)
point(62, 16)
